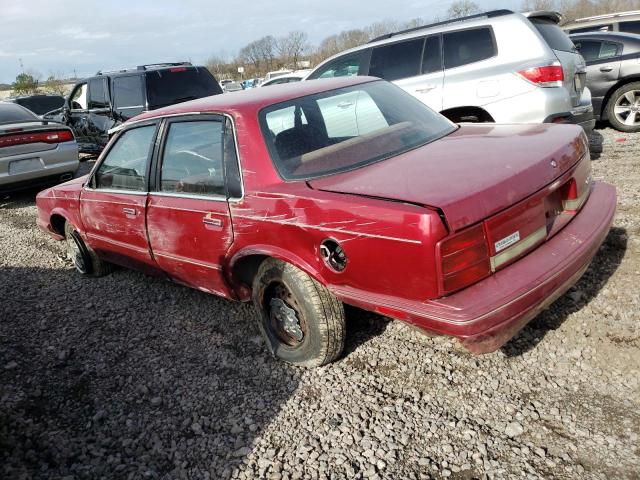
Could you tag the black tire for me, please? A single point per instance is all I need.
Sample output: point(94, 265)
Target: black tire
point(615, 98)
point(318, 336)
point(85, 260)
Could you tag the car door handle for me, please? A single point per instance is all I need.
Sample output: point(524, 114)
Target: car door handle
point(606, 68)
point(130, 211)
point(426, 89)
point(216, 222)
point(344, 105)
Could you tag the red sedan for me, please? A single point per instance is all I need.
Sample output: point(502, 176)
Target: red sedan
point(305, 196)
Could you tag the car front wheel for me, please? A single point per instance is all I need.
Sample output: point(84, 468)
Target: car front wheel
point(623, 108)
point(302, 322)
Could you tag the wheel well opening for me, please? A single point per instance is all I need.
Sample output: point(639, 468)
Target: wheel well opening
point(611, 91)
point(57, 224)
point(467, 114)
point(246, 268)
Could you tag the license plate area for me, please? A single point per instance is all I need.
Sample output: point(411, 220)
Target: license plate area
point(24, 166)
point(579, 81)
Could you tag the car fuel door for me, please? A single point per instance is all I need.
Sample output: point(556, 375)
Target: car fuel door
point(188, 220)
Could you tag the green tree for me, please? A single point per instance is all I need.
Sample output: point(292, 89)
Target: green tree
point(25, 84)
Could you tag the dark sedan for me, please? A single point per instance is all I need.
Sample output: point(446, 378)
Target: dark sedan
point(613, 76)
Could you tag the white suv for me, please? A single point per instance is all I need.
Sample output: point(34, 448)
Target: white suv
point(497, 66)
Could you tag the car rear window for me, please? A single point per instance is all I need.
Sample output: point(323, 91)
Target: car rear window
point(12, 113)
point(347, 128)
point(42, 104)
point(555, 37)
point(468, 46)
point(179, 84)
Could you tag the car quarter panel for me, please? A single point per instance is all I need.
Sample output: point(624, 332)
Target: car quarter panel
point(389, 245)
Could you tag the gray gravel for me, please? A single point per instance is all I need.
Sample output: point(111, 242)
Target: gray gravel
point(129, 376)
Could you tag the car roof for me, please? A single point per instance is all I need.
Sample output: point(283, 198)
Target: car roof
point(608, 35)
point(256, 98)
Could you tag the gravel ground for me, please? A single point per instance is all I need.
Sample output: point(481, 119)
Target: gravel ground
point(128, 376)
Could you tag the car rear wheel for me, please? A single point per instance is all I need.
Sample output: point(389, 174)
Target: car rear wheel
point(302, 322)
point(83, 257)
point(623, 108)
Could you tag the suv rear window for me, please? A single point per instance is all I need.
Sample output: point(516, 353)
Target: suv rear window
point(42, 104)
point(180, 84)
point(468, 46)
point(553, 35)
point(630, 26)
point(398, 60)
point(347, 128)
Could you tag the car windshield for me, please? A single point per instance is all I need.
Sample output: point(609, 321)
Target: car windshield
point(12, 113)
point(347, 128)
point(175, 85)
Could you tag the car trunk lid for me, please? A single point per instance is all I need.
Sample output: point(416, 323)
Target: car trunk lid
point(473, 174)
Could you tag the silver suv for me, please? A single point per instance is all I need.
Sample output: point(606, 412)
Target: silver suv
point(497, 66)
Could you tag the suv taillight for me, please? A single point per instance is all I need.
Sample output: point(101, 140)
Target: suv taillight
point(545, 76)
point(464, 259)
point(53, 136)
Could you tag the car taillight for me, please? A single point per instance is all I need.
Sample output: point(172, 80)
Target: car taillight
point(464, 259)
point(545, 76)
point(178, 69)
point(53, 136)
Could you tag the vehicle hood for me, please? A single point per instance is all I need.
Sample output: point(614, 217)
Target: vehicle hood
point(473, 173)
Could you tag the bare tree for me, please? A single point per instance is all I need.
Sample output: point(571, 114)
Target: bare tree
point(462, 8)
point(54, 84)
point(292, 47)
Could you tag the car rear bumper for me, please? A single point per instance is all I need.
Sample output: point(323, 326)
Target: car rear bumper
point(489, 313)
point(582, 116)
point(48, 166)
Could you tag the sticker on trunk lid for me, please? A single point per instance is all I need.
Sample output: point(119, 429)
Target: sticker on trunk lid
point(507, 241)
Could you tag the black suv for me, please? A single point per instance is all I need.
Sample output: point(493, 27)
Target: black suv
point(613, 76)
point(99, 103)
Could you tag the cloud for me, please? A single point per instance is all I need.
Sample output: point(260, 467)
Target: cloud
point(79, 33)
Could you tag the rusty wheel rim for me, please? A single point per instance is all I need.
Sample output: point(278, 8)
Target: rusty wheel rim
point(285, 316)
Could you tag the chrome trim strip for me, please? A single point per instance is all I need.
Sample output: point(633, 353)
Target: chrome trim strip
point(208, 212)
point(176, 258)
point(217, 198)
point(114, 190)
point(110, 202)
point(515, 250)
point(115, 242)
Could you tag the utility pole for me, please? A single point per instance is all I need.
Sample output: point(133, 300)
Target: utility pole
point(21, 65)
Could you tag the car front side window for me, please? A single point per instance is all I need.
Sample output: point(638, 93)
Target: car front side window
point(124, 167)
point(192, 159)
point(346, 66)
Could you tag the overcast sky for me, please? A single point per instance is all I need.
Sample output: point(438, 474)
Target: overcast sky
point(61, 37)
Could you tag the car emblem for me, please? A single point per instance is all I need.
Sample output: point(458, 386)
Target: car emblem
point(554, 164)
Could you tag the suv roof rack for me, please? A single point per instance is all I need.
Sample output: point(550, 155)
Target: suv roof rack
point(149, 66)
point(608, 15)
point(489, 14)
point(163, 65)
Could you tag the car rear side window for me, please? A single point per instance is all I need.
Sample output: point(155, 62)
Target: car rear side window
point(432, 57)
point(555, 37)
point(98, 93)
point(192, 159)
point(468, 46)
point(593, 50)
point(346, 66)
point(127, 94)
point(179, 84)
point(630, 26)
point(397, 60)
point(126, 162)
